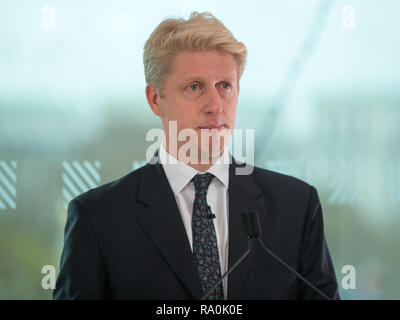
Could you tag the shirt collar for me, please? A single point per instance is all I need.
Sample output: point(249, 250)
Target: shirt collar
point(180, 174)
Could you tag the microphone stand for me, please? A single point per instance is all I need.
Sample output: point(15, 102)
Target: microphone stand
point(249, 248)
point(253, 231)
point(291, 269)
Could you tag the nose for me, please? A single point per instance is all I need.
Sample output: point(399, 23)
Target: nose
point(214, 103)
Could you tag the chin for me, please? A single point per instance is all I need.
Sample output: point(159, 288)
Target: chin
point(212, 151)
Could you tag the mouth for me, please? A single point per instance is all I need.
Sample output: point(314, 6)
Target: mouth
point(218, 127)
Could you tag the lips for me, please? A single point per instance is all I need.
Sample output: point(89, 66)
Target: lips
point(218, 127)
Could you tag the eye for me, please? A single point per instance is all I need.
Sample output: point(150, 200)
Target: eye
point(194, 86)
point(225, 85)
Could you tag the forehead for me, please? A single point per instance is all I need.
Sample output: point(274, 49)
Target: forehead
point(208, 65)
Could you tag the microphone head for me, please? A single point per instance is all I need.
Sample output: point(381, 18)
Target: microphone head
point(210, 214)
point(251, 222)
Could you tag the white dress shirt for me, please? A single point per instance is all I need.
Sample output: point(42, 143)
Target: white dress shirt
point(179, 177)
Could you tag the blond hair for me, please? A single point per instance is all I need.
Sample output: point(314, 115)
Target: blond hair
point(201, 32)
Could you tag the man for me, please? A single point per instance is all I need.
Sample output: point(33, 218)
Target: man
point(170, 229)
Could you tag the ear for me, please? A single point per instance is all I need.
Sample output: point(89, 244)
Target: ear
point(153, 100)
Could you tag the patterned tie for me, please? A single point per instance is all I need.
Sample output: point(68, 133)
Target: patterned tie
point(205, 248)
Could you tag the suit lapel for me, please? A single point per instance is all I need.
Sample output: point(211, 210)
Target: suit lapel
point(163, 223)
point(243, 195)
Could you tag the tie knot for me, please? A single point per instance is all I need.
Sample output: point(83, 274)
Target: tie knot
point(201, 183)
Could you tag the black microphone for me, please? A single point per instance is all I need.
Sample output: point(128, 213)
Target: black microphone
point(251, 223)
point(253, 229)
point(210, 215)
point(251, 234)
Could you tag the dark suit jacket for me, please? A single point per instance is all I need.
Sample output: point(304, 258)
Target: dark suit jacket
point(126, 240)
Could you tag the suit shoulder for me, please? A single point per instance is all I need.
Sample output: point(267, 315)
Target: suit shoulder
point(280, 182)
point(115, 191)
point(288, 191)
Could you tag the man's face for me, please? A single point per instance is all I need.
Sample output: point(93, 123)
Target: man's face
point(201, 93)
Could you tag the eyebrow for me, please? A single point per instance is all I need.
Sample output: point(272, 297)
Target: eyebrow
point(200, 79)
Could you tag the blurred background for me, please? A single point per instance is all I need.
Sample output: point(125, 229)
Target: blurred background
point(320, 89)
